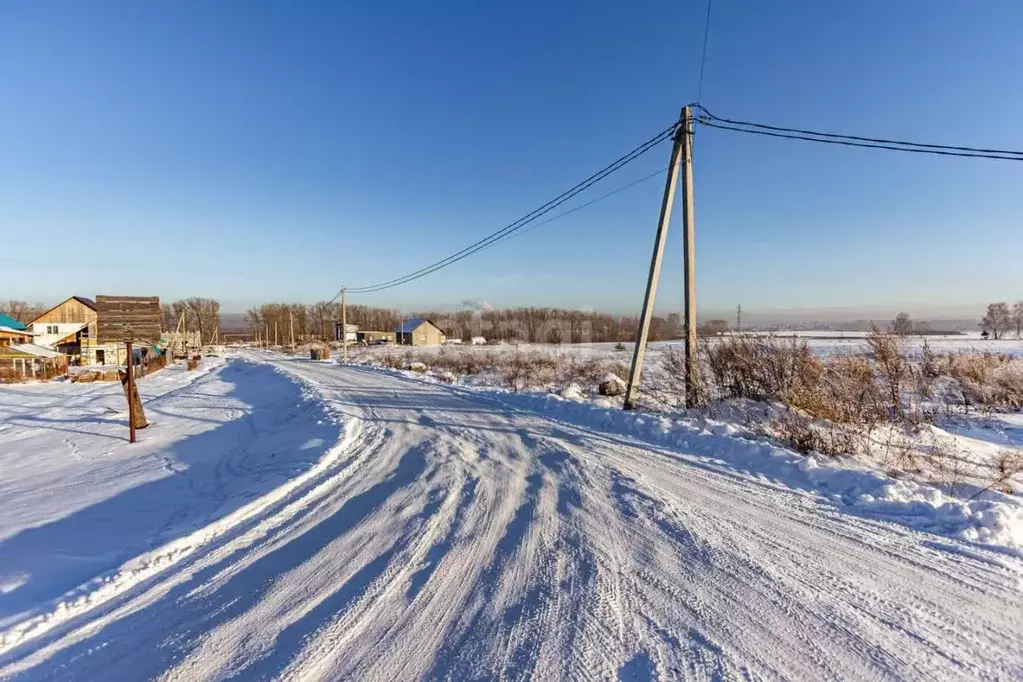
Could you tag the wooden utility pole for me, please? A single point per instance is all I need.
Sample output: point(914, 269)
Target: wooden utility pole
point(344, 324)
point(266, 335)
point(275, 335)
point(136, 414)
point(291, 316)
point(655, 267)
point(738, 319)
point(131, 394)
point(689, 255)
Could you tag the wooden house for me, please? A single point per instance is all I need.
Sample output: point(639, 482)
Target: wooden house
point(420, 333)
point(70, 327)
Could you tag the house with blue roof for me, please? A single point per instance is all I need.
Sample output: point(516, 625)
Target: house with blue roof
point(419, 332)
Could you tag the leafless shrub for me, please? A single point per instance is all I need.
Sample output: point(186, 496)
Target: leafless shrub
point(892, 366)
point(760, 367)
point(989, 380)
point(808, 435)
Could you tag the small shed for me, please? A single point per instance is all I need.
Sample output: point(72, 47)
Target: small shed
point(420, 332)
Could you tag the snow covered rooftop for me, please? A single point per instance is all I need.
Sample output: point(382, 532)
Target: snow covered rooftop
point(33, 349)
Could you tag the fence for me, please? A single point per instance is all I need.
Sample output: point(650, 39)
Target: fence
point(18, 369)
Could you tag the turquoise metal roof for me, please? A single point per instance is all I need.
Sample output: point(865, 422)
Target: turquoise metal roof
point(8, 321)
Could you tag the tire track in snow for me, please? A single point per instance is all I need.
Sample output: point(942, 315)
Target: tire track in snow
point(263, 514)
point(513, 547)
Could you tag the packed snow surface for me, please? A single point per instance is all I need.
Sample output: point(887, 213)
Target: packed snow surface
point(286, 518)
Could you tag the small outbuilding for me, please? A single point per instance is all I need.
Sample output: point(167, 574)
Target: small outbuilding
point(13, 332)
point(371, 337)
point(420, 332)
point(28, 361)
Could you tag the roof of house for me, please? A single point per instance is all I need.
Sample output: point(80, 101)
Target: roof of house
point(409, 326)
point(20, 333)
point(87, 302)
point(11, 323)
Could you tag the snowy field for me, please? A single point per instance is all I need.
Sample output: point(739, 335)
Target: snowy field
point(285, 518)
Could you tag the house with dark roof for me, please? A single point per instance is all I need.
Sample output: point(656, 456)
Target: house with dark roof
point(419, 332)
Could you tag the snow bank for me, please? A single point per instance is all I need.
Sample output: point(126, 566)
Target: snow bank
point(996, 521)
point(228, 445)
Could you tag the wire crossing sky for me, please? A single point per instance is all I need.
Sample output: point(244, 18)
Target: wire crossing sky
point(275, 151)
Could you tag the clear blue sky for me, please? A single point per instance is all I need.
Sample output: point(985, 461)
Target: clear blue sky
point(256, 151)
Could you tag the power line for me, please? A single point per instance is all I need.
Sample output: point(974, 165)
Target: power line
point(703, 58)
point(525, 220)
point(570, 211)
point(857, 138)
point(712, 121)
point(849, 143)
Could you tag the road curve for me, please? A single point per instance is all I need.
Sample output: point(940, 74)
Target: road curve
point(456, 538)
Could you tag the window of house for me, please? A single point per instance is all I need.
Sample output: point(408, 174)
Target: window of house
point(51, 329)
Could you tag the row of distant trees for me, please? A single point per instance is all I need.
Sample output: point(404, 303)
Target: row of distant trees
point(526, 324)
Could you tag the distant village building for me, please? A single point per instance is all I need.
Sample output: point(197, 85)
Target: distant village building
point(478, 341)
point(371, 337)
point(420, 333)
point(351, 331)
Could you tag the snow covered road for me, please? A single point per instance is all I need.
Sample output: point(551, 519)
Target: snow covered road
point(450, 536)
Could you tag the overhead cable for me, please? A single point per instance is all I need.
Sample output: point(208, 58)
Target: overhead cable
point(525, 220)
point(753, 128)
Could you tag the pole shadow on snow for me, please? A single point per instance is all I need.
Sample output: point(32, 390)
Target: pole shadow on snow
point(209, 475)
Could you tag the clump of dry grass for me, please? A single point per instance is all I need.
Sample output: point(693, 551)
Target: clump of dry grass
point(988, 380)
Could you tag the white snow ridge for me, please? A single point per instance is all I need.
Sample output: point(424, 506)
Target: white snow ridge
point(289, 519)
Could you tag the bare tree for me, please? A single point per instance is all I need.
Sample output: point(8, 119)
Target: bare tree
point(1017, 318)
point(168, 320)
point(201, 315)
point(998, 319)
point(902, 325)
